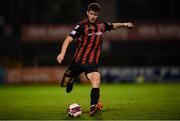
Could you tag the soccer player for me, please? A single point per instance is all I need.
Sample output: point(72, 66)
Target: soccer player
point(89, 34)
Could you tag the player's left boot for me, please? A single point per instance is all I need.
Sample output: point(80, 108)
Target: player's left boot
point(95, 108)
point(69, 86)
point(99, 106)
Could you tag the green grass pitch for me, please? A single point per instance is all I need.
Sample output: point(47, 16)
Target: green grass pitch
point(121, 101)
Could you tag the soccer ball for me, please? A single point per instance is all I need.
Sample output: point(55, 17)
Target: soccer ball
point(74, 110)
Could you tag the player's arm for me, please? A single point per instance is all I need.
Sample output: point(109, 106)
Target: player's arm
point(128, 25)
point(65, 45)
point(76, 32)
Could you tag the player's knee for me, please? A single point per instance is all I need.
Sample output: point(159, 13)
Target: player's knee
point(96, 83)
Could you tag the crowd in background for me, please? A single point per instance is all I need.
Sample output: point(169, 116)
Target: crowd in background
point(16, 13)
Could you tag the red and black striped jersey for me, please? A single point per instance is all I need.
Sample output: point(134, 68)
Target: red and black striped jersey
point(89, 40)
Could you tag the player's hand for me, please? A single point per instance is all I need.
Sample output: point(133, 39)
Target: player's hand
point(129, 25)
point(60, 57)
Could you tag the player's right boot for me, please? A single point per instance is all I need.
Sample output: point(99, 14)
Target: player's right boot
point(68, 83)
point(69, 86)
point(95, 108)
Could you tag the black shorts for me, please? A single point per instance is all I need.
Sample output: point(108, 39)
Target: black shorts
point(77, 68)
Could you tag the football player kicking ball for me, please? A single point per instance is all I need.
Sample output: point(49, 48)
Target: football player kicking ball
point(89, 34)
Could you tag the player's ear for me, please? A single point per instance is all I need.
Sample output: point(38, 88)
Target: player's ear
point(87, 13)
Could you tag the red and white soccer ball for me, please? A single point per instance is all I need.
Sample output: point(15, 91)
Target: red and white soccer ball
point(74, 110)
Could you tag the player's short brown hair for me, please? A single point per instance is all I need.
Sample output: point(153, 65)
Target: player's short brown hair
point(95, 7)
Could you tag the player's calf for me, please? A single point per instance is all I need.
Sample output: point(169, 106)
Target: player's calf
point(67, 78)
point(64, 81)
point(67, 82)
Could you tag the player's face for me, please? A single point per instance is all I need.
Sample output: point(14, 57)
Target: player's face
point(92, 16)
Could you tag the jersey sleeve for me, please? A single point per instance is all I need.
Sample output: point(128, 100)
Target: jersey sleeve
point(108, 26)
point(77, 31)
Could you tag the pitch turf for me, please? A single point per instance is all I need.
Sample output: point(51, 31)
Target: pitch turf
point(121, 101)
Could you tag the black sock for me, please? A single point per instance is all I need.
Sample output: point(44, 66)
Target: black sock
point(94, 96)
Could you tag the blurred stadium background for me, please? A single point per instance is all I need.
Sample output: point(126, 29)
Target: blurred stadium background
point(32, 33)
